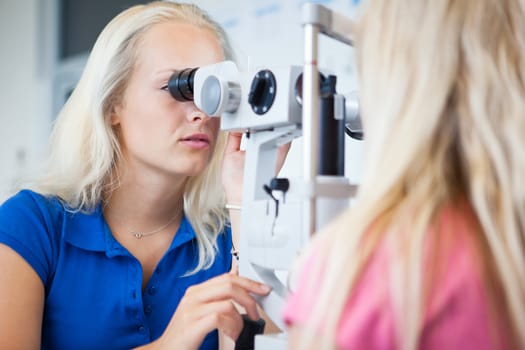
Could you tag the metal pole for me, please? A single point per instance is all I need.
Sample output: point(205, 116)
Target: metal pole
point(310, 122)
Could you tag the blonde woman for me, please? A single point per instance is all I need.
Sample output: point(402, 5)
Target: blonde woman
point(432, 255)
point(124, 241)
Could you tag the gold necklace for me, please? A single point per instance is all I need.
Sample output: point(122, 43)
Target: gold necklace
point(139, 235)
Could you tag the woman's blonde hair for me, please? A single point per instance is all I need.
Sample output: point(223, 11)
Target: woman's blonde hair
point(442, 87)
point(84, 148)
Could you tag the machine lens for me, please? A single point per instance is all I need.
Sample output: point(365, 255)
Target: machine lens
point(180, 84)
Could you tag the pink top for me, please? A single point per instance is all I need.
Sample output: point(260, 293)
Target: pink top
point(457, 315)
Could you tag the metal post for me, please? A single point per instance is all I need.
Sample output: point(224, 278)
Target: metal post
point(310, 121)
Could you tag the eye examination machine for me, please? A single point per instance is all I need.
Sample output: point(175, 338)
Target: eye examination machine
point(273, 106)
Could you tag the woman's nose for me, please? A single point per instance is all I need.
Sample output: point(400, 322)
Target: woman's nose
point(196, 115)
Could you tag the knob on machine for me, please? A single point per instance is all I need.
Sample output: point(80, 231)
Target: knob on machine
point(262, 91)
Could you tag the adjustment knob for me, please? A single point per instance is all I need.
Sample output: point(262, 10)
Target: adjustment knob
point(262, 91)
point(280, 184)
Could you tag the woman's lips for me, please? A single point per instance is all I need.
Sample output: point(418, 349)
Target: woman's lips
point(196, 141)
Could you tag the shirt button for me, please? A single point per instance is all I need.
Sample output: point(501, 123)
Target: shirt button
point(142, 329)
point(152, 290)
point(148, 309)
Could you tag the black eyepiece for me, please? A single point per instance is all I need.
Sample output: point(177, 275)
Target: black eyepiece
point(180, 84)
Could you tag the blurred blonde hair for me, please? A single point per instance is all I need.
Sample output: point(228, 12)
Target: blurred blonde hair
point(84, 148)
point(443, 100)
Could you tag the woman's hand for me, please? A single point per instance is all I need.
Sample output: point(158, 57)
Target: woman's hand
point(233, 166)
point(209, 306)
point(282, 152)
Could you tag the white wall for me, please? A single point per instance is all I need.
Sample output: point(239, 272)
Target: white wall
point(264, 32)
point(24, 92)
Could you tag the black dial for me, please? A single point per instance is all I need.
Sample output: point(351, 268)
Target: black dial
point(262, 91)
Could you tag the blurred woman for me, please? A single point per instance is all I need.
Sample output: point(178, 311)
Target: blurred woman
point(432, 254)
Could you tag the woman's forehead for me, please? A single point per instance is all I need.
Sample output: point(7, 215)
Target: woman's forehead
point(179, 45)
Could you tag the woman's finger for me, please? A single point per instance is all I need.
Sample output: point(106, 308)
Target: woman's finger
point(221, 299)
point(193, 332)
point(282, 152)
point(229, 324)
point(204, 289)
point(223, 307)
point(233, 143)
point(229, 287)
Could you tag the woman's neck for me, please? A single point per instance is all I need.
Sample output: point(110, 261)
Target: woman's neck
point(143, 205)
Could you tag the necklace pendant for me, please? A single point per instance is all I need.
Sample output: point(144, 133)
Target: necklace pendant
point(137, 235)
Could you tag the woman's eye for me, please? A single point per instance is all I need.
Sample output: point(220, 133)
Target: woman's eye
point(165, 87)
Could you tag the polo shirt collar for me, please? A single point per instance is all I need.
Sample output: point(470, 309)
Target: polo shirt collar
point(86, 231)
point(91, 232)
point(184, 234)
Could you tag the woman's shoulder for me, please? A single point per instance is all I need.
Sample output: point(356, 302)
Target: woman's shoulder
point(28, 204)
point(27, 196)
point(369, 315)
point(30, 224)
point(225, 236)
point(458, 312)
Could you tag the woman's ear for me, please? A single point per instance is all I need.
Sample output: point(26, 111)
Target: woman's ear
point(114, 117)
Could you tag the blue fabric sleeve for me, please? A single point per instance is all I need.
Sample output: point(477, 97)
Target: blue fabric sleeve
point(224, 243)
point(28, 225)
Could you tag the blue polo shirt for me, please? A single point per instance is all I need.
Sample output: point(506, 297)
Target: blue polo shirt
point(93, 285)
